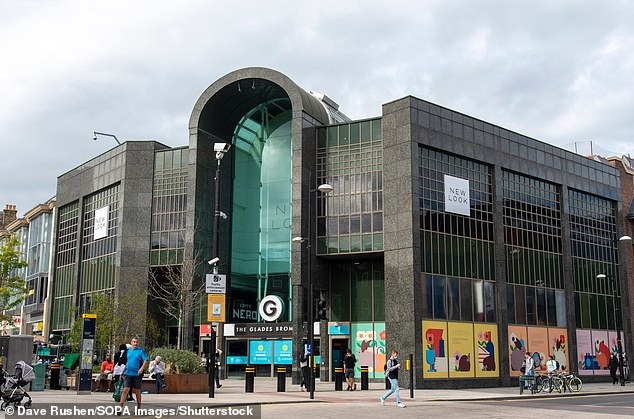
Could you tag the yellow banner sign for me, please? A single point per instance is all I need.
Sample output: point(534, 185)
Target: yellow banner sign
point(216, 308)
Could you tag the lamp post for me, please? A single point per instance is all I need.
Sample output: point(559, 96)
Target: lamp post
point(95, 133)
point(617, 311)
point(220, 149)
point(325, 189)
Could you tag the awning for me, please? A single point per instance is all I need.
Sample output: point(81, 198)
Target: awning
point(70, 360)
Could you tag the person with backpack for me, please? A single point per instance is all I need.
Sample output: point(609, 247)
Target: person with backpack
point(552, 365)
point(391, 373)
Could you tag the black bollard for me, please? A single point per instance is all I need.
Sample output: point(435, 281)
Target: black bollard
point(410, 366)
point(54, 381)
point(338, 379)
point(249, 379)
point(281, 379)
point(364, 377)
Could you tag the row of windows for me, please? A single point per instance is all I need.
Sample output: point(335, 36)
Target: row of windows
point(593, 244)
point(532, 267)
point(171, 159)
point(166, 257)
point(68, 225)
point(92, 248)
point(528, 305)
point(97, 274)
point(449, 298)
point(463, 257)
point(354, 208)
point(594, 311)
point(357, 292)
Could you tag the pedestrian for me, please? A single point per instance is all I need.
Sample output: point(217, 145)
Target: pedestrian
point(529, 367)
point(133, 372)
point(157, 371)
point(614, 365)
point(203, 360)
point(391, 373)
point(105, 374)
point(217, 367)
point(120, 359)
point(303, 365)
point(552, 366)
point(349, 361)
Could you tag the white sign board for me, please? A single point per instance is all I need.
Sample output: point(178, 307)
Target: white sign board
point(100, 229)
point(457, 198)
point(216, 284)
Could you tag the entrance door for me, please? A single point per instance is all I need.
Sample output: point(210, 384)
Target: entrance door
point(338, 351)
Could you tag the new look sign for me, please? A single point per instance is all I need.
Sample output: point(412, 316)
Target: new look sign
point(457, 195)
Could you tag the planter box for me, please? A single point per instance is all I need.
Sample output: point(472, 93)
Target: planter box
point(186, 383)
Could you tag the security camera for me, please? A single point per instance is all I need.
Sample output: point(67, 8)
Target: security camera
point(214, 261)
point(94, 137)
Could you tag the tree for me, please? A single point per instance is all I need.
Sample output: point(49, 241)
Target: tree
point(12, 287)
point(115, 322)
point(175, 293)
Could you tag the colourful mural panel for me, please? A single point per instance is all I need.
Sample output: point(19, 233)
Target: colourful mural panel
point(368, 345)
point(486, 341)
point(538, 346)
point(435, 355)
point(460, 348)
point(558, 345)
point(518, 340)
point(601, 352)
point(585, 353)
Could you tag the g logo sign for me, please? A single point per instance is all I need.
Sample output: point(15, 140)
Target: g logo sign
point(271, 308)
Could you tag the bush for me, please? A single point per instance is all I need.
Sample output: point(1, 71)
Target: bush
point(178, 361)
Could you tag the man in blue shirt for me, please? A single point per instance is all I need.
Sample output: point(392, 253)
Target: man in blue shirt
point(133, 372)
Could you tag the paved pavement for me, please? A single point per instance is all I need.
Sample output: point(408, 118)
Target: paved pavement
point(233, 393)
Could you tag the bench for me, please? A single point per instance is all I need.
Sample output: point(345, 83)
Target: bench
point(531, 380)
point(148, 384)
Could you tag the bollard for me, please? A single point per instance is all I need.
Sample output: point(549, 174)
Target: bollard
point(54, 383)
point(364, 377)
point(281, 379)
point(338, 379)
point(249, 378)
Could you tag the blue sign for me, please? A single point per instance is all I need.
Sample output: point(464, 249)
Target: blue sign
point(342, 329)
point(283, 350)
point(236, 360)
point(260, 351)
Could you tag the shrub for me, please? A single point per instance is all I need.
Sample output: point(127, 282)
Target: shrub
point(178, 361)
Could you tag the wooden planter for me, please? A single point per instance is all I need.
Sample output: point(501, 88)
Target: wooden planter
point(186, 383)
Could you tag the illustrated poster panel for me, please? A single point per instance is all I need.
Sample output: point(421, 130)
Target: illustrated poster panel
point(538, 346)
point(460, 348)
point(368, 347)
point(585, 353)
point(614, 344)
point(486, 343)
point(517, 348)
point(435, 357)
point(600, 346)
point(558, 345)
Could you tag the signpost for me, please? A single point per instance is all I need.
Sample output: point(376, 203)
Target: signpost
point(87, 349)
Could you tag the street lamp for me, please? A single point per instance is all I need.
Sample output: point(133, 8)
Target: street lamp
point(220, 149)
point(95, 133)
point(325, 189)
point(617, 311)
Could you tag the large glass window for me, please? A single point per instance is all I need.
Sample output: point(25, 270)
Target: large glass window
point(350, 158)
point(357, 292)
point(261, 212)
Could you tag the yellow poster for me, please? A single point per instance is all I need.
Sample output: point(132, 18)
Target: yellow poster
point(216, 307)
point(518, 339)
point(461, 355)
point(435, 358)
point(486, 345)
point(538, 346)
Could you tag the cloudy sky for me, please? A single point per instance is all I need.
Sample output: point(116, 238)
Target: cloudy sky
point(558, 71)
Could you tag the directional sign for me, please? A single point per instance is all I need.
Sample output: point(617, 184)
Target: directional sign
point(216, 284)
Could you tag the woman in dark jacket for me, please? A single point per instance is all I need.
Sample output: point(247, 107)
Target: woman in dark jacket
point(614, 365)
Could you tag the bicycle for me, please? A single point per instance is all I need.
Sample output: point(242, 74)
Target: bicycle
point(549, 382)
point(572, 382)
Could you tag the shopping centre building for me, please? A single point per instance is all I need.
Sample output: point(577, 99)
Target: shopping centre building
point(444, 236)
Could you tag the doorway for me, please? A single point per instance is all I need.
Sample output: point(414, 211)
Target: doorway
point(338, 352)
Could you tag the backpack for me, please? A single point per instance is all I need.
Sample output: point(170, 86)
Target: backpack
point(556, 364)
point(118, 389)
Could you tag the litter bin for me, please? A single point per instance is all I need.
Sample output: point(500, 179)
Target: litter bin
point(54, 384)
point(40, 377)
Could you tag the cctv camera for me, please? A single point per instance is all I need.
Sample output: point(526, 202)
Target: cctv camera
point(214, 261)
point(94, 137)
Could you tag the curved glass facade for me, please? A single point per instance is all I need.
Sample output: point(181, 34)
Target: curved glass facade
point(261, 215)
